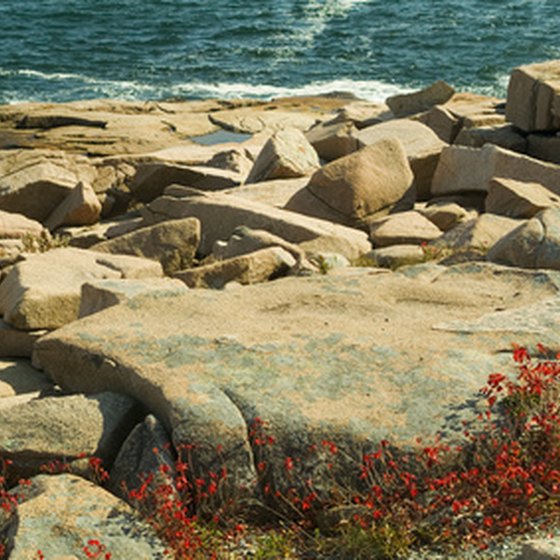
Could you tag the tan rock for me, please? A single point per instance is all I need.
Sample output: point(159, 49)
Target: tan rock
point(421, 144)
point(545, 147)
point(274, 193)
point(533, 101)
point(287, 154)
point(333, 140)
point(100, 294)
point(220, 214)
point(84, 237)
point(515, 199)
point(361, 356)
point(506, 136)
point(43, 291)
point(363, 113)
point(173, 243)
point(403, 228)
point(35, 191)
point(447, 215)
point(462, 169)
point(17, 400)
point(80, 208)
point(305, 202)
point(151, 179)
point(472, 108)
point(442, 121)
point(131, 126)
point(360, 184)
point(416, 102)
point(479, 234)
point(16, 226)
point(245, 240)
point(10, 251)
point(252, 268)
point(395, 256)
point(253, 122)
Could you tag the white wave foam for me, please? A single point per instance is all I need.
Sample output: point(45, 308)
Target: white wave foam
point(371, 90)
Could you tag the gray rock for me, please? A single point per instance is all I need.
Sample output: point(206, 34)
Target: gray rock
point(541, 549)
point(60, 514)
point(66, 429)
point(144, 452)
point(18, 377)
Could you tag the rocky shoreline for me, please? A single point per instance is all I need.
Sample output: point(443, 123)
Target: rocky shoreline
point(342, 270)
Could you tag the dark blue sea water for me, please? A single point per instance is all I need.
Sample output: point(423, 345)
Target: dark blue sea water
point(63, 50)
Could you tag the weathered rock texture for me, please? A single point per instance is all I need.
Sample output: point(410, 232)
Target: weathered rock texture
point(349, 357)
point(60, 514)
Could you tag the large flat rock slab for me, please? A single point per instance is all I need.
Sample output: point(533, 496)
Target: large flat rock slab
point(357, 356)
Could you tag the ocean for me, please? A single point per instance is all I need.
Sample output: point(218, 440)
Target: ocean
point(64, 50)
